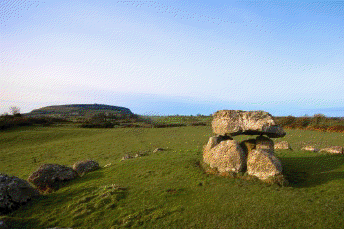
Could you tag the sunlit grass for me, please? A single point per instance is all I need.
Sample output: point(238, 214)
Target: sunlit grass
point(168, 189)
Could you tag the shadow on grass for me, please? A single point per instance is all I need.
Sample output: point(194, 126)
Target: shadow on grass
point(87, 177)
point(304, 172)
point(18, 222)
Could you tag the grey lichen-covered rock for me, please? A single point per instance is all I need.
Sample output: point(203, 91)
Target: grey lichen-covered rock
point(262, 164)
point(333, 149)
point(14, 192)
point(282, 145)
point(265, 143)
point(237, 122)
point(227, 156)
point(83, 167)
point(48, 177)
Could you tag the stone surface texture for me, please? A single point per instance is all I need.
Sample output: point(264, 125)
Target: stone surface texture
point(265, 143)
point(248, 145)
point(48, 177)
point(262, 164)
point(83, 167)
point(14, 192)
point(310, 148)
point(236, 122)
point(157, 150)
point(333, 149)
point(282, 145)
point(227, 156)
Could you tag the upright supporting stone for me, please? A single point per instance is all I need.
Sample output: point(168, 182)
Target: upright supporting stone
point(262, 164)
point(265, 143)
point(248, 145)
point(227, 156)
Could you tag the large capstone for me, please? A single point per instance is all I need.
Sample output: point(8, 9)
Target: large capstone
point(237, 122)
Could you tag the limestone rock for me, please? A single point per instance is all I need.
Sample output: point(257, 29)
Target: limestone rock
point(262, 164)
point(282, 145)
point(212, 142)
point(83, 167)
point(107, 165)
point(126, 157)
point(14, 192)
point(157, 150)
point(310, 148)
point(265, 143)
point(333, 149)
point(227, 156)
point(48, 177)
point(237, 122)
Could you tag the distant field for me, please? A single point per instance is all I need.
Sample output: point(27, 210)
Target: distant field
point(168, 189)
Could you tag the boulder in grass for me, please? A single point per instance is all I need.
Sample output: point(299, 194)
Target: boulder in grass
point(310, 148)
point(83, 167)
point(48, 177)
point(227, 156)
point(282, 145)
point(262, 164)
point(333, 149)
point(13, 193)
point(237, 122)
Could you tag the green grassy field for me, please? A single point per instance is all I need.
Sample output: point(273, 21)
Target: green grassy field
point(168, 189)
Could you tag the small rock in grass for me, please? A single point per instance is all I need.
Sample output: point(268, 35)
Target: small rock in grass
point(158, 149)
point(333, 149)
point(83, 167)
point(282, 145)
point(107, 165)
point(126, 157)
point(310, 148)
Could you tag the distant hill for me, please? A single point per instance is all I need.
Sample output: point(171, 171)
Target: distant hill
point(77, 111)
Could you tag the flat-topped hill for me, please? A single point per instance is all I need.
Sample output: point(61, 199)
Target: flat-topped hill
point(78, 110)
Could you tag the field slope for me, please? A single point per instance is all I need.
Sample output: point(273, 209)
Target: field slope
point(168, 189)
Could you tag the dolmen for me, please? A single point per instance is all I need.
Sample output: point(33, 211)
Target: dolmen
point(254, 156)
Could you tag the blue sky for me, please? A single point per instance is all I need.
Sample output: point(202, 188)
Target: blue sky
point(174, 57)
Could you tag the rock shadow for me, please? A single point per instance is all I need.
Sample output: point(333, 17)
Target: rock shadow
point(302, 172)
point(18, 222)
